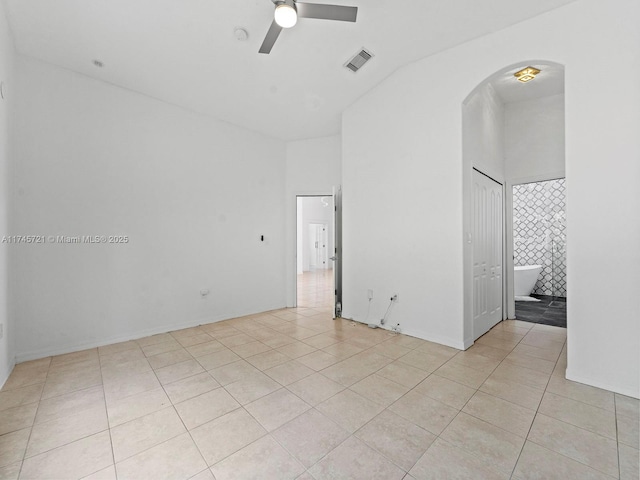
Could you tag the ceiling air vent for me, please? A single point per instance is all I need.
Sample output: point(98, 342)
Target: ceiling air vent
point(359, 60)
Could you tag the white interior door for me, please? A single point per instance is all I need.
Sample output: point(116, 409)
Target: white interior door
point(487, 253)
point(318, 238)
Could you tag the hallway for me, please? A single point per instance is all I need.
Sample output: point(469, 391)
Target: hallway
point(315, 290)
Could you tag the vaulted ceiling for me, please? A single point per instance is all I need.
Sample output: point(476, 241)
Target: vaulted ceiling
point(185, 52)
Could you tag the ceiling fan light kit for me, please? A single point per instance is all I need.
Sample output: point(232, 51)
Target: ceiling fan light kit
point(285, 15)
point(287, 12)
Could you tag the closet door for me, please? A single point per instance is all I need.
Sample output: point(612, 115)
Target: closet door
point(487, 253)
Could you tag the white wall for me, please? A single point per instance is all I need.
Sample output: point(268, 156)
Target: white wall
point(534, 139)
point(6, 76)
point(483, 141)
point(403, 179)
point(313, 167)
point(192, 194)
point(534, 151)
point(483, 119)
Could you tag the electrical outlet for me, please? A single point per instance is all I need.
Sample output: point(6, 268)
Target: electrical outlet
point(370, 294)
point(396, 328)
point(395, 297)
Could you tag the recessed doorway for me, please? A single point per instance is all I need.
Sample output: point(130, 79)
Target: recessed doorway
point(314, 252)
point(539, 252)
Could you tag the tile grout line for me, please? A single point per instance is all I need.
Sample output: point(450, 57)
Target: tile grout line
point(615, 409)
point(106, 408)
point(526, 438)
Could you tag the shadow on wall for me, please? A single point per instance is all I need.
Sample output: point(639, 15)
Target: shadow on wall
point(539, 238)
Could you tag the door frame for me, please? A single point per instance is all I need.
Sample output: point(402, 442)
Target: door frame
point(296, 195)
point(509, 264)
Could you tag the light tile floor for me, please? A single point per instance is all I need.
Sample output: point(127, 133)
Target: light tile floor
point(294, 394)
point(315, 289)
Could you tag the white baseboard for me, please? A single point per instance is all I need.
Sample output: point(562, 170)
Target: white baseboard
point(4, 376)
point(622, 390)
point(76, 347)
point(423, 336)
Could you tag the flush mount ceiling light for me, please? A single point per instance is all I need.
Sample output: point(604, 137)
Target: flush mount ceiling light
point(526, 74)
point(286, 15)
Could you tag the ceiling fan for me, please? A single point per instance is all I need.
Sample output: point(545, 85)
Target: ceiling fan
point(287, 12)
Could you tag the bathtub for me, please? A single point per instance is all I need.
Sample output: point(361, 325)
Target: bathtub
point(524, 279)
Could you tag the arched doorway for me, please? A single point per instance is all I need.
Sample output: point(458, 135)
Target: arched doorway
point(513, 133)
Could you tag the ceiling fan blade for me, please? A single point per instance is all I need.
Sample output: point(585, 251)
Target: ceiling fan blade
point(327, 12)
point(270, 39)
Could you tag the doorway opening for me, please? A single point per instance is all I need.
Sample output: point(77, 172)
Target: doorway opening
point(512, 132)
point(539, 252)
point(314, 251)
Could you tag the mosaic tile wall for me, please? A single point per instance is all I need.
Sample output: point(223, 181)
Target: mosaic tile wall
point(539, 222)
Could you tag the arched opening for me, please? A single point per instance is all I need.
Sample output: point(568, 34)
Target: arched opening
point(513, 134)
